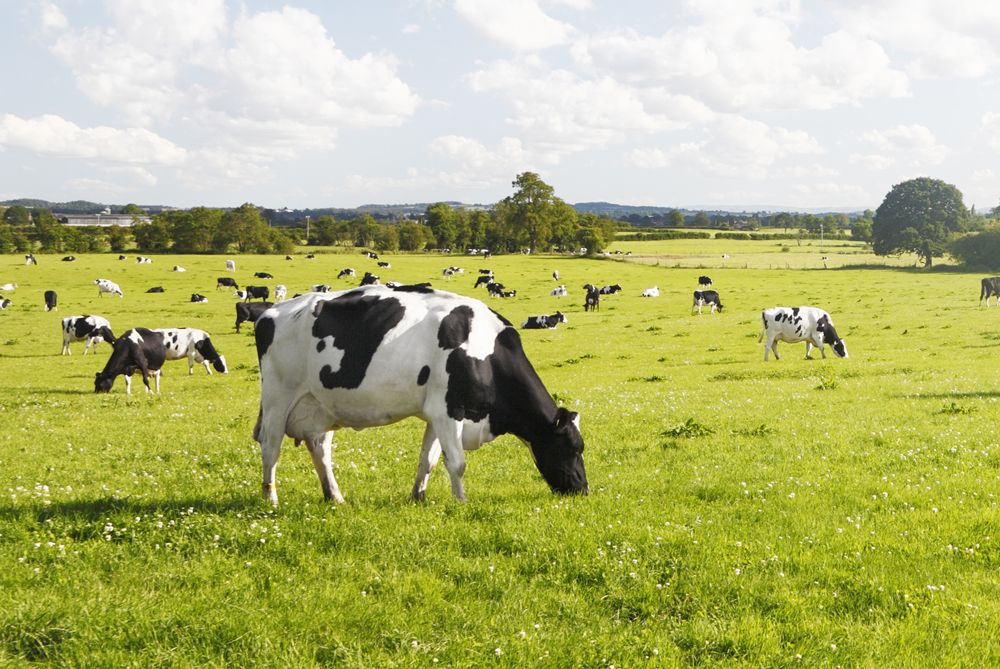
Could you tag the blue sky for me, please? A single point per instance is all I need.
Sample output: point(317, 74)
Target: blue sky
point(700, 103)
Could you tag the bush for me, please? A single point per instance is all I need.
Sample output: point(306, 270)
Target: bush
point(980, 250)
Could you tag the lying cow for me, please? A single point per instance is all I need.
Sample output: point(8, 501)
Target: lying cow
point(369, 279)
point(94, 329)
point(543, 322)
point(988, 288)
point(706, 297)
point(106, 286)
point(262, 275)
point(156, 289)
point(198, 297)
point(651, 292)
point(143, 260)
point(795, 324)
point(611, 290)
point(374, 356)
point(224, 281)
point(347, 271)
point(138, 349)
point(559, 292)
point(249, 311)
point(195, 345)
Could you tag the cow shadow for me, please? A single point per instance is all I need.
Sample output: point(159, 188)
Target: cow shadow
point(103, 507)
point(976, 394)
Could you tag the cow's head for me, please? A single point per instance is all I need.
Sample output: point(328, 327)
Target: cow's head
point(103, 382)
point(220, 365)
point(560, 458)
point(830, 337)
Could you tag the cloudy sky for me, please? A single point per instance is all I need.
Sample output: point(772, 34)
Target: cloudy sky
point(314, 103)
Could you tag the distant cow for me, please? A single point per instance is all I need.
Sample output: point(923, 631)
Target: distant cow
point(555, 275)
point(592, 302)
point(249, 312)
point(94, 329)
point(69, 258)
point(198, 297)
point(4, 303)
point(231, 265)
point(257, 293)
point(795, 324)
point(51, 300)
point(178, 268)
point(483, 279)
point(143, 260)
point(310, 256)
point(195, 345)
point(347, 271)
point(374, 356)
point(29, 259)
point(704, 281)
point(122, 257)
point(8, 286)
point(706, 297)
point(280, 291)
point(319, 288)
point(262, 275)
point(486, 271)
point(370, 254)
point(559, 292)
point(651, 292)
point(989, 287)
point(223, 281)
point(155, 289)
point(383, 264)
point(106, 286)
point(611, 290)
point(369, 279)
point(543, 322)
point(138, 349)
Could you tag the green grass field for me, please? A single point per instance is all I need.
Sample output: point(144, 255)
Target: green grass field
point(838, 512)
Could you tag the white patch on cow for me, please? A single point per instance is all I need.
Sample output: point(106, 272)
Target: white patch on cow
point(135, 336)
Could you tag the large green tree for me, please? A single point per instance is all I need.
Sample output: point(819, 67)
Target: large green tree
point(530, 214)
point(919, 216)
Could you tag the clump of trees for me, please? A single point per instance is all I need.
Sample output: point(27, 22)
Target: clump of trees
point(919, 216)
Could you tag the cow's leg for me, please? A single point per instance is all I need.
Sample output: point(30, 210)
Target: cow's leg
point(822, 351)
point(430, 451)
point(449, 434)
point(270, 449)
point(319, 449)
point(773, 345)
point(128, 384)
point(156, 377)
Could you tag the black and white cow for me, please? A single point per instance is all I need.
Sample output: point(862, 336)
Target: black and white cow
point(485, 271)
point(69, 258)
point(280, 292)
point(989, 287)
point(559, 292)
point(138, 349)
point(178, 268)
point(611, 290)
point(706, 297)
point(143, 260)
point(195, 345)
point(122, 257)
point(484, 280)
point(4, 302)
point(29, 259)
point(494, 288)
point(108, 286)
point(374, 356)
point(94, 329)
point(369, 279)
point(592, 302)
point(262, 275)
point(310, 256)
point(543, 322)
point(320, 288)
point(384, 265)
point(198, 297)
point(795, 324)
point(249, 311)
point(371, 254)
point(704, 281)
point(51, 300)
point(651, 292)
point(156, 289)
point(224, 281)
point(347, 271)
point(257, 293)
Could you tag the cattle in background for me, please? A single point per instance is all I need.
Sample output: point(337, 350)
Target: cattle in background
point(544, 321)
point(143, 260)
point(198, 297)
point(370, 254)
point(69, 258)
point(240, 294)
point(257, 293)
point(9, 286)
point(4, 302)
point(310, 256)
point(231, 265)
point(106, 286)
point(51, 300)
point(706, 297)
point(592, 302)
point(347, 271)
point(494, 288)
point(988, 288)
point(611, 290)
point(280, 291)
point(447, 272)
point(369, 279)
point(486, 271)
point(262, 275)
point(29, 259)
point(223, 281)
point(484, 280)
point(155, 289)
point(651, 292)
point(178, 268)
point(122, 257)
point(249, 312)
point(555, 275)
point(704, 281)
point(559, 292)
point(288, 257)
point(455, 269)
point(796, 324)
point(384, 265)
point(320, 288)
point(195, 345)
point(94, 329)
point(138, 349)
point(374, 356)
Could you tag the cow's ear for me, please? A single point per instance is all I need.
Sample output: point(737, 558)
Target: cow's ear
point(564, 418)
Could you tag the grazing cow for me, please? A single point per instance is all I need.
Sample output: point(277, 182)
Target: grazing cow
point(369, 279)
point(456, 270)
point(347, 271)
point(593, 300)
point(51, 300)
point(559, 292)
point(142, 260)
point(9, 286)
point(384, 265)
point(544, 321)
point(704, 281)
point(138, 349)
point(262, 275)
point(29, 259)
point(4, 303)
point(178, 268)
point(280, 291)
point(486, 271)
point(989, 287)
point(106, 286)
point(257, 292)
point(198, 297)
point(794, 324)
point(195, 345)
point(249, 312)
point(155, 289)
point(507, 293)
point(223, 281)
point(706, 297)
point(320, 288)
point(231, 265)
point(373, 356)
point(69, 258)
point(94, 329)
point(611, 290)
point(484, 280)
point(651, 292)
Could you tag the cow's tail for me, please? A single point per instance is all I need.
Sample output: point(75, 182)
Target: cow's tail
point(763, 329)
point(984, 292)
point(256, 427)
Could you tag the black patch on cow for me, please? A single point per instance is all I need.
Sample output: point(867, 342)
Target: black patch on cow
point(502, 319)
point(795, 311)
point(471, 389)
point(263, 334)
point(425, 373)
point(358, 323)
point(82, 327)
point(320, 345)
point(455, 327)
point(414, 288)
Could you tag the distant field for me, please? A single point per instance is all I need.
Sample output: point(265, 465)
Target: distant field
point(742, 513)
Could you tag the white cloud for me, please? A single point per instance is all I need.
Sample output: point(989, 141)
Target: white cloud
point(51, 17)
point(411, 29)
point(990, 126)
point(872, 161)
point(915, 143)
point(520, 25)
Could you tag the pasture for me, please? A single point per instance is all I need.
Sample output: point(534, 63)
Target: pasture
point(838, 512)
